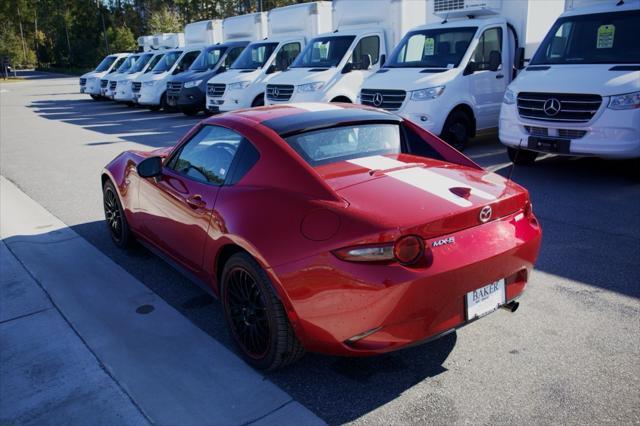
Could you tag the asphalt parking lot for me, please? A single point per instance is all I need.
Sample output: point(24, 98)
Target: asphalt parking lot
point(570, 354)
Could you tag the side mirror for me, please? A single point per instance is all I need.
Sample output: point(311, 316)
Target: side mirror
point(518, 61)
point(383, 59)
point(366, 62)
point(495, 60)
point(470, 68)
point(271, 69)
point(347, 68)
point(150, 167)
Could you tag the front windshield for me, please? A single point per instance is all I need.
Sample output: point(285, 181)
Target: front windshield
point(208, 59)
point(323, 52)
point(254, 56)
point(128, 63)
point(433, 48)
point(140, 63)
point(105, 64)
point(602, 38)
point(154, 61)
point(167, 61)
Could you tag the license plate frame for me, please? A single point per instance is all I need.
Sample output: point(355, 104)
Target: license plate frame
point(552, 145)
point(485, 300)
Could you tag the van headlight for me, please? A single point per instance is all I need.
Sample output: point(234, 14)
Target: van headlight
point(625, 101)
point(311, 87)
point(238, 85)
point(426, 94)
point(509, 97)
point(192, 83)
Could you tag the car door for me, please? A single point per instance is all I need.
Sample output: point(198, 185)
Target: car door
point(176, 206)
point(487, 85)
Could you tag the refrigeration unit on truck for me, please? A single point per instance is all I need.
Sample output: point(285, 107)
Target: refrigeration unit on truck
point(290, 28)
point(333, 66)
point(187, 91)
point(580, 94)
point(147, 59)
point(90, 82)
point(450, 75)
point(153, 85)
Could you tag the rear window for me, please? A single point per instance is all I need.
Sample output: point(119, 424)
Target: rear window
point(337, 144)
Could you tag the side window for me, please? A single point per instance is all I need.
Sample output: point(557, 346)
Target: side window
point(366, 46)
point(207, 156)
point(489, 45)
point(232, 56)
point(187, 60)
point(286, 55)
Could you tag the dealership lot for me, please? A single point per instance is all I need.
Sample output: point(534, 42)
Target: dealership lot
point(568, 355)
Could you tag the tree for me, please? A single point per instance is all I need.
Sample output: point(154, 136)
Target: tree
point(121, 39)
point(164, 20)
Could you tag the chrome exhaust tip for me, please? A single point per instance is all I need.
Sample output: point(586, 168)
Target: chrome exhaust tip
point(511, 306)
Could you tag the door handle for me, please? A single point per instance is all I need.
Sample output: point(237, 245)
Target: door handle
point(196, 202)
point(500, 76)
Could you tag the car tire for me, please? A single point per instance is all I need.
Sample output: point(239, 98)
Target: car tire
point(255, 316)
point(114, 216)
point(521, 157)
point(457, 130)
point(96, 97)
point(258, 101)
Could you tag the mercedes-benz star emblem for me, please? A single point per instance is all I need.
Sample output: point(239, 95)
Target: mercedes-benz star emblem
point(552, 107)
point(485, 214)
point(276, 92)
point(378, 99)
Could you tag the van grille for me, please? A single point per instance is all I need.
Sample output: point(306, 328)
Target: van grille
point(561, 133)
point(216, 90)
point(575, 108)
point(103, 83)
point(279, 92)
point(112, 85)
point(173, 88)
point(136, 86)
point(83, 81)
point(391, 100)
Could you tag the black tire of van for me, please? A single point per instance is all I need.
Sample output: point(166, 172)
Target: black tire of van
point(457, 130)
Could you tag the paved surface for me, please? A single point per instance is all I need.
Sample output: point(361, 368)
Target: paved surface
point(570, 354)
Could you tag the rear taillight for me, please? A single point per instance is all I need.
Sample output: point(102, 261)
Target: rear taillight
point(406, 250)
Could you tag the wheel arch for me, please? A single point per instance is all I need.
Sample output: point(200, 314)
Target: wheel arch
point(468, 110)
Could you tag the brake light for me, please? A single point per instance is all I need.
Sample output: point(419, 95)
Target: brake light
point(406, 250)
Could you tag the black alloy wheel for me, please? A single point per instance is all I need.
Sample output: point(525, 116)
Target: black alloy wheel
point(114, 216)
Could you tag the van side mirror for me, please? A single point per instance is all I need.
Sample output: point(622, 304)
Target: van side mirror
point(383, 59)
point(150, 167)
point(347, 68)
point(366, 62)
point(470, 68)
point(271, 69)
point(495, 60)
point(518, 61)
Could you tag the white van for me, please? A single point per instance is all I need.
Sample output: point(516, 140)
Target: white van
point(90, 82)
point(333, 66)
point(108, 90)
point(289, 28)
point(580, 94)
point(449, 76)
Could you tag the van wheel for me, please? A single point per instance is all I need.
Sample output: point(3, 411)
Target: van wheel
point(96, 97)
point(255, 316)
point(258, 101)
point(457, 130)
point(521, 157)
point(341, 99)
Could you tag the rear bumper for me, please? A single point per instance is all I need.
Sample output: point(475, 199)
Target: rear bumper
point(331, 301)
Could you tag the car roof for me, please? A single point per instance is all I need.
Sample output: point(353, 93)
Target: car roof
point(294, 118)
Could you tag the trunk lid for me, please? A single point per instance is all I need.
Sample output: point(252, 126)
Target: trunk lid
point(422, 196)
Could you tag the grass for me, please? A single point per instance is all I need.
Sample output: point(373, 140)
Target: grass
point(68, 71)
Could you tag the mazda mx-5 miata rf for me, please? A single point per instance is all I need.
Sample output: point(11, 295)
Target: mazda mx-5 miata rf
point(333, 228)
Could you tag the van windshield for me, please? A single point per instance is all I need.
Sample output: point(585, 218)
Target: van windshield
point(154, 61)
point(167, 61)
point(208, 59)
point(131, 59)
point(323, 52)
point(140, 63)
point(433, 48)
point(602, 38)
point(254, 56)
point(105, 64)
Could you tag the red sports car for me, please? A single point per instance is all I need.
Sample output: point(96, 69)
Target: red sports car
point(333, 228)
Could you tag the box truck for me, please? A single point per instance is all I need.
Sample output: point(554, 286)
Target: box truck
point(290, 28)
point(145, 63)
point(187, 91)
point(90, 82)
point(332, 66)
point(109, 81)
point(580, 94)
point(449, 76)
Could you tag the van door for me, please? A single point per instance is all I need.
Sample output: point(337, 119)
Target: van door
point(488, 76)
point(363, 62)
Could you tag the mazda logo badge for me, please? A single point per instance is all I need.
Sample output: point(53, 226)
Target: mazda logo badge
point(378, 99)
point(276, 92)
point(485, 214)
point(552, 107)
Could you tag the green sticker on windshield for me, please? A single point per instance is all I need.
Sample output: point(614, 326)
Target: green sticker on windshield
point(605, 36)
point(429, 46)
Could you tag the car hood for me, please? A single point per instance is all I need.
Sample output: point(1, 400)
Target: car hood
point(191, 75)
point(304, 75)
point(151, 76)
point(233, 76)
point(597, 79)
point(424, 196)
point(408, 78)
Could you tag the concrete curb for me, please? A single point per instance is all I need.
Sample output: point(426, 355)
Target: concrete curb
point(175, 373)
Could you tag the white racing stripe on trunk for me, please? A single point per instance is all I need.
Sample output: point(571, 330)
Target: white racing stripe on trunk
point(423, 179)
